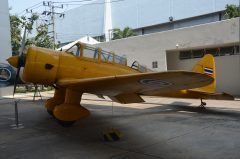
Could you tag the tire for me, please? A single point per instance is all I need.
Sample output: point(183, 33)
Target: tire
point(65, 124)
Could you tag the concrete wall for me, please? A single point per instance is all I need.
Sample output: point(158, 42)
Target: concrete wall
point(153, 47)
point(208, 18)
point(5, 43)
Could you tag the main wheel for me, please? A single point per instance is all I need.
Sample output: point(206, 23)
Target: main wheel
point(65, 124)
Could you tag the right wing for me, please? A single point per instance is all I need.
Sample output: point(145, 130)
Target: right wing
point(131, 86)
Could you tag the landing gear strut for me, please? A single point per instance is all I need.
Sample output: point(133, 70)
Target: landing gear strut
point(203, 104)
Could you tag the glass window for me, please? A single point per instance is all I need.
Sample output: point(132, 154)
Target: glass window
point(143, 68)
point(226, 51)
point(90, 53)
point(197, 53)
point(75, 50)
point(154, 64)
point(185, 55)
point(120, 60)
point(106, 56)
point(214, 52)
point(237, 50)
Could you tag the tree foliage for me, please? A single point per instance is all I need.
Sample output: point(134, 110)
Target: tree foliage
point(119, 34)
point(17, 24)
point(232, 11)
point(42, 39)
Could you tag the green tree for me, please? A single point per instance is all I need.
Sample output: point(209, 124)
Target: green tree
point(119, 34)
point(232, 11)
point(42, 39)
point(17, 24)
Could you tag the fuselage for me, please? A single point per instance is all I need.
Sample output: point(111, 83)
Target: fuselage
point(46, 66)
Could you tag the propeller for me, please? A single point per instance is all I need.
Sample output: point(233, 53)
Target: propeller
point(21, 60)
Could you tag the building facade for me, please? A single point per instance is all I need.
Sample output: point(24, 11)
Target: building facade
point(143, 16)
point(5, 48)
point(5, 44)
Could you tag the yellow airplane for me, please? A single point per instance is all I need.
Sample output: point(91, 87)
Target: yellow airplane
point(83, 69)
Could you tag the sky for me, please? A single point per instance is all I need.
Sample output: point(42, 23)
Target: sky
point(19, 6)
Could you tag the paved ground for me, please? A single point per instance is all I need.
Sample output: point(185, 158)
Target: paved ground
point(160, 128)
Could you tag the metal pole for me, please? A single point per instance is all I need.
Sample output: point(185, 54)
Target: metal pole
point(16, 114)
point(53, 25)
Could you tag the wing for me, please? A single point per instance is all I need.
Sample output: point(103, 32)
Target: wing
point(121, 87)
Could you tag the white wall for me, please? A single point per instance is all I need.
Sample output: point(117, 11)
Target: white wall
point(153, 47)
point(5, 42)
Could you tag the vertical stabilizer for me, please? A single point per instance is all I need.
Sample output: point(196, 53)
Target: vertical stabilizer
point(206, 66)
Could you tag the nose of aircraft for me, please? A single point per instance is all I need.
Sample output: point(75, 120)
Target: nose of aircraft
point(13, 61)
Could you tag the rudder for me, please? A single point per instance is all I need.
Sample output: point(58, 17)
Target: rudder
point(206, 66)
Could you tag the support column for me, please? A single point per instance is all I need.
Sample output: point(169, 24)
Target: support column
point(71, 110)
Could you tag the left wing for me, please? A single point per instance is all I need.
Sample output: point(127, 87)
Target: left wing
point(121, 87)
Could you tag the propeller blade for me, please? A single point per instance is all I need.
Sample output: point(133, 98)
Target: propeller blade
point(20, 60)
point(23, 43)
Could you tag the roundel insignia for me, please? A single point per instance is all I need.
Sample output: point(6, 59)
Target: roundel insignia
point(155, 82)
point(6, 75)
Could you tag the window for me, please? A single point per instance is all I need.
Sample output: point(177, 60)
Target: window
point(154, 64)
point(223, 51)
point(214, 51)
point(74, 50)
point(197, 53)
point(106, 56)
point(90, 53)
point(185, 55)
point(120, 60)
point(237, 50)
point(143, 68)
point(226, 51)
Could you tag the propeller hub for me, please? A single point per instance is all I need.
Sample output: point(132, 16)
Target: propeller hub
point(13, 61)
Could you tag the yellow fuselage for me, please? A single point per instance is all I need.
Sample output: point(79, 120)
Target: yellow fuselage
point(45, 66)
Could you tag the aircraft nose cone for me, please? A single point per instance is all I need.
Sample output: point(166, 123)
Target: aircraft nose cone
point(13, 61)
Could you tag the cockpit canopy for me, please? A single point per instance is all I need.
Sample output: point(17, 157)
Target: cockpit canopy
point(82, 50)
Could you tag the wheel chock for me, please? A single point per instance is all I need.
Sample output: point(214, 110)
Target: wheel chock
point(112, 135)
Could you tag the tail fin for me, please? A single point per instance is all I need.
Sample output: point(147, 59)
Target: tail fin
point(206, 66)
